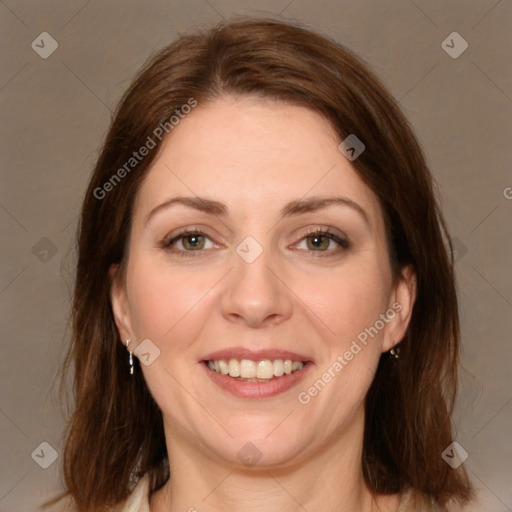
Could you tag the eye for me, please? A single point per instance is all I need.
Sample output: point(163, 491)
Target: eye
point(192, 242)
point(319, 240)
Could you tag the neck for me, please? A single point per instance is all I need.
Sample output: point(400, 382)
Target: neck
point(330, 480)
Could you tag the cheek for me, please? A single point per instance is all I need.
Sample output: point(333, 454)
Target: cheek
point(347, 300)
point(166, 302)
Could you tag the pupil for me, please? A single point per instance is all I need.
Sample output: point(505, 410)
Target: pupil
point(193, 240)
point(317, 241)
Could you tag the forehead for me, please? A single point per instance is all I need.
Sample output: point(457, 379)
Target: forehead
point(252, 153)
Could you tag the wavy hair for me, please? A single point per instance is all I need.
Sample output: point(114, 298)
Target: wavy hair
point(115, 434)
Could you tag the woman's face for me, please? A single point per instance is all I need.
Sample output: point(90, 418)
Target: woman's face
point(256, 283)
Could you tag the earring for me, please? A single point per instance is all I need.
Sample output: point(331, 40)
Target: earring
point(395, 351)
point(131, 357)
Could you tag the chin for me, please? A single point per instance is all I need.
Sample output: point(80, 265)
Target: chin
point(261, 448)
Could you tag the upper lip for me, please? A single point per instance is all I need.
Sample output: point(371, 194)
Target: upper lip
point(255, 355)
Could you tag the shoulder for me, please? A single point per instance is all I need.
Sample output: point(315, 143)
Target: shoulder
point(138, 500)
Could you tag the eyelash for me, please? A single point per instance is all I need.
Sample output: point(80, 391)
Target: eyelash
point(343, 243)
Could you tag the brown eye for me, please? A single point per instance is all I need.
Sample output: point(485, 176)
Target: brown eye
point(320, 240)
point(188, 243)
point(193, 242)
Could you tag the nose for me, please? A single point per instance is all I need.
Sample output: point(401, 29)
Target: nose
point(255, 294)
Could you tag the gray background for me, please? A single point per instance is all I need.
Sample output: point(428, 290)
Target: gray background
point(55, 112)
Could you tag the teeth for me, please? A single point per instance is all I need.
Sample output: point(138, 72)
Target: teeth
point(234, 368)
point(224, 368)
point(265, 369)
point(248, 369)
point(278, 367)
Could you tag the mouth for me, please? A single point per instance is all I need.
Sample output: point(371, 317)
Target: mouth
point(247, 370)
point(256, 376)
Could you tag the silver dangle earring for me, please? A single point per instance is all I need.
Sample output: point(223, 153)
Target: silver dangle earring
point(395, 351)
point(131, 357)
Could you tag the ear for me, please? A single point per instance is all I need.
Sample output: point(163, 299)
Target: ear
point(119, 301)
point(402, 302)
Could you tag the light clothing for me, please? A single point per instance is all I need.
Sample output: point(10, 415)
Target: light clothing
point(138, 501)
point(414, 502)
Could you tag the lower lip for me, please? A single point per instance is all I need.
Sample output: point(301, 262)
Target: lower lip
point(257, 390)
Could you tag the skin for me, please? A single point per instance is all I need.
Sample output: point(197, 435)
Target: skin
point(255, 156)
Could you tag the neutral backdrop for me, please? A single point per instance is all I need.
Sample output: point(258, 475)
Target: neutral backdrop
point(55, 112)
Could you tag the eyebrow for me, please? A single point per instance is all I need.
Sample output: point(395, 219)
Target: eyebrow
point(295, 207)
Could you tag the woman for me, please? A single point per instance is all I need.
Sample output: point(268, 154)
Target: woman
point(265, 315)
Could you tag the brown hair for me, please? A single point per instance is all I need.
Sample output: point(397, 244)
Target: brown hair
point(116, 432)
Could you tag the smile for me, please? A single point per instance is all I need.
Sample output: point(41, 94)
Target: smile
point(265, 378)
point(247, 369)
